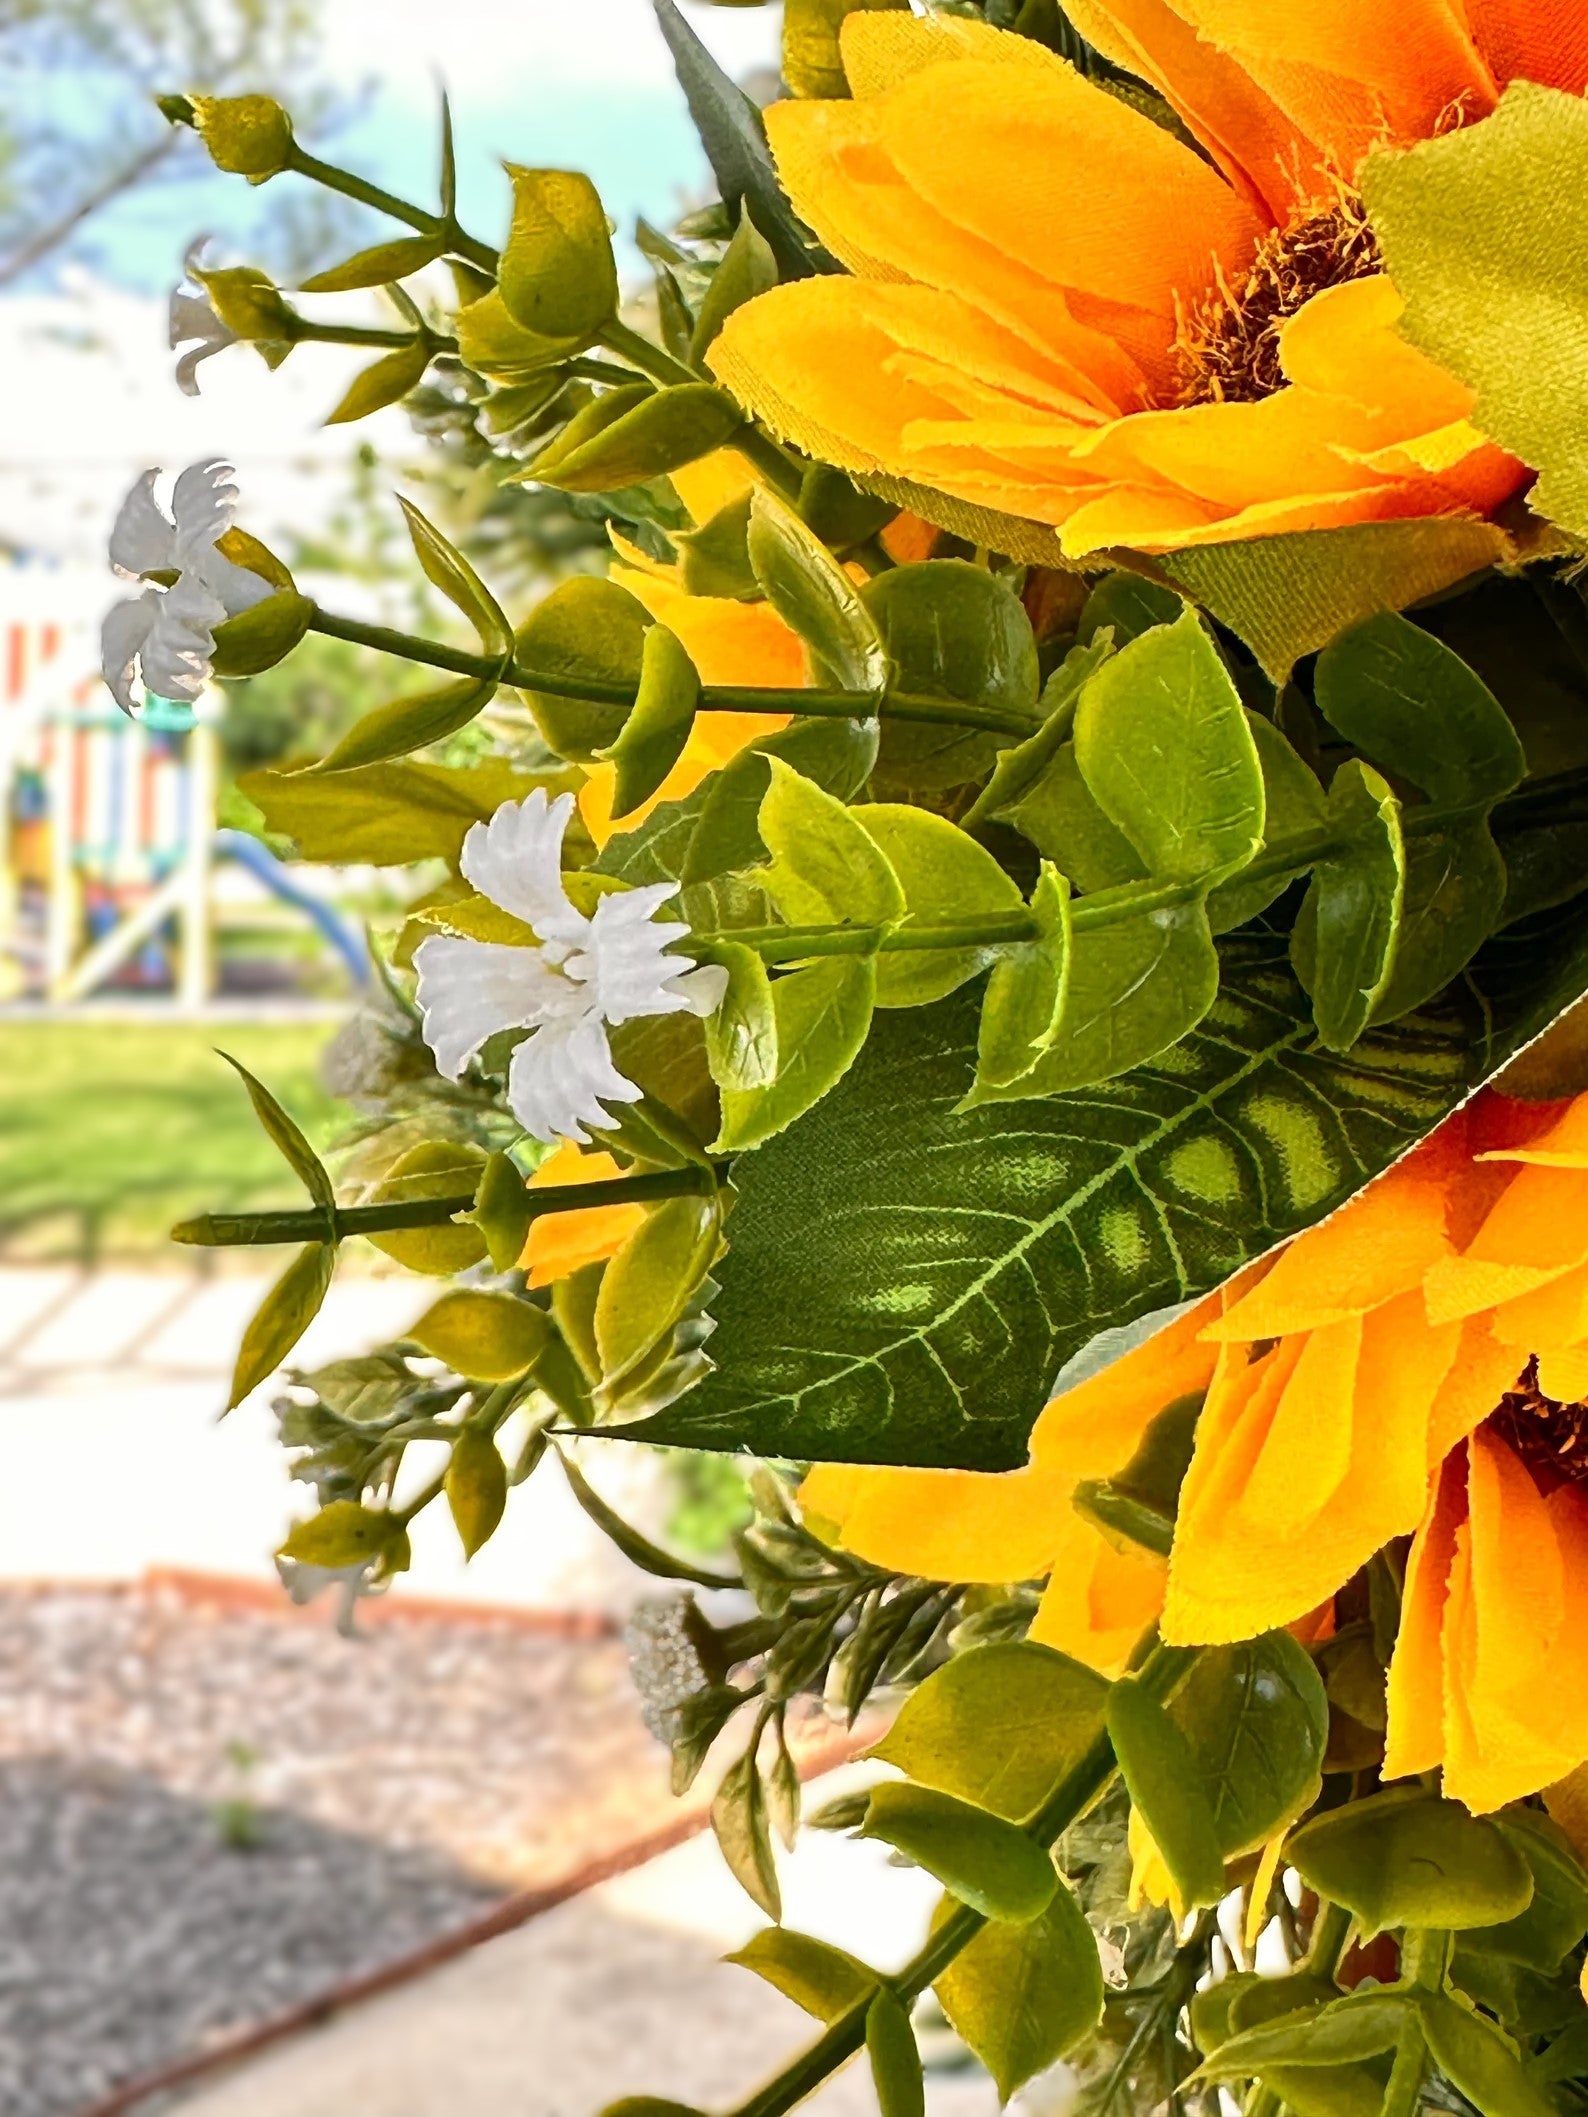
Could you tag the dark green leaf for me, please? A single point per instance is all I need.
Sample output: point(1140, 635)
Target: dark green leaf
point(1410, 1859)
point(1345, 935)
point(823, 1980)
point(1023, 1996)
point(810, 591)
point(978, 1857)
point(1128, 605)
point(1166, 1791)
point(1410, 704)
point(282, 1318)
point(1454, 893)
point(1138, 1504)
point(1557, 1918)
point(734, 138)
point(951, 630)
point(895, 2062)
point(998, 1725)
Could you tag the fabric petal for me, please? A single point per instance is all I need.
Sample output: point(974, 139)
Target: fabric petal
point(204, 505)
point(126, 626)
point(1415, 1741)
point(142, 539)
point(559, 1077)
point(702, 989)
point(516, 861)
point(1533, 40)
point(176, 661)
point(943, 1524)
point(1095, 1428)
point(559, 1244)
point(1098, 1600)
point(468, 990)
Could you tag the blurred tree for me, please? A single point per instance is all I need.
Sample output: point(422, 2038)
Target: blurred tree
point(67, 65)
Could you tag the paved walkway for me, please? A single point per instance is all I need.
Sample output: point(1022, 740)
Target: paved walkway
point(619, 1993)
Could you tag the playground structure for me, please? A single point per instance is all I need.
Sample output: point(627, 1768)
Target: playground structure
point(108, 837)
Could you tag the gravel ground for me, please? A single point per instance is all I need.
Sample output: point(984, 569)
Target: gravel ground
point(208, 1814)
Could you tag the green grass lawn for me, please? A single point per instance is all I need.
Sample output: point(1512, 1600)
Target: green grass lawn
point(111, 1130)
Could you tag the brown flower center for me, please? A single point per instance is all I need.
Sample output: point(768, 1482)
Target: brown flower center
point(1550, 1437)
point(1229, 348)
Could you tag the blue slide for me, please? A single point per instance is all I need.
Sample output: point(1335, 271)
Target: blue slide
point(277, 877)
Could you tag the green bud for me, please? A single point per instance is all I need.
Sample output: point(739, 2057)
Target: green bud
point(637, 433)
point(247, 136)
point(250, 305)
point(558, 276)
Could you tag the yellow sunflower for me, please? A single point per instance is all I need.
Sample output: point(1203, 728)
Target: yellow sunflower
point(1057, 308)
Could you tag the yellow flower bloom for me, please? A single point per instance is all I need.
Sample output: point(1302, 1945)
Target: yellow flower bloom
point(559, 1244)
point(1059, 311)
point(1415, 1367)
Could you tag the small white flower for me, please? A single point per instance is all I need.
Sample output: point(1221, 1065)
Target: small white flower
point(168, 634)
point(582, 976)
point(352, 1584)
point(193, 317)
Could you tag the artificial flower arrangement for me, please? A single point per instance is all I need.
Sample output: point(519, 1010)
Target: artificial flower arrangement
point(1012, 960)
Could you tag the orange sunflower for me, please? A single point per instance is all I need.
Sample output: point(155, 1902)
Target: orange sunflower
point(1060, 309)
point(1416, 1367)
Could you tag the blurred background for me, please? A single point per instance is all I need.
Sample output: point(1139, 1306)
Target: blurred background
point(220, 1819)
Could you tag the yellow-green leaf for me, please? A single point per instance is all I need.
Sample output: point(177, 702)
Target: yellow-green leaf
point(895, 2060)
point(384, 381)
point(482, 1336)
point(341, 1534)
point(476, 1488)
point(741, 1036)
point(433, 1169)
point(810, 591)
point(410, 724)
point(822, 1979)
point(811, 62)
point(592, 630)
point(282, 1318)
point(825, 867)
point(379, 266)
point(943, 875)
point(289, 1141)
point(634, 434)
point(822, 1014)
point(978, 1857)
point(247, 136)
point(447, 569)
point(1160, 1774)
point(1022, 1996)
point(389, 813)
point(653, 737)
point(558, 277)
point(649, 1283)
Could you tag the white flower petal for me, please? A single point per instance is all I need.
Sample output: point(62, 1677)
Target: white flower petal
point(468, 990)
point(142, 540)
point(187, 369)
point(624, 963)
point(204, 503)
point(516, 861)
point(127, 625)
point(702, 989)
point(234, 587)
point(193, 316)
point(558, 1078)
point(176, 661)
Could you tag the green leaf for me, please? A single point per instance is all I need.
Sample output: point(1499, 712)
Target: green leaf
point(825, 868)
point(282, 1318)
point(741, 1037)
point(823, 1980)
point(588, 629)
point(389, 814)
point(978, 1857)
point(1257, 1722)
point(1022, 1997)
point(1495, 278)
point(445, 567)
point(649, 1283)
point(1478, 2061)
point(812, 65)
point(476, 1486)
point(951, 630)
point(628, 436)
point(1287, 596)
point(342, 1534)
point(739, 1818)
point(1343, 945)
point(258, 638)
point(491, 341)
point(1410, 1859)
point(1331, 2090)
point(1346, 2031)
point(1136, 987)
point(715, 558)
point(1061, 817)
point(998, 1725)
point(483, 1337)
point(409, 724)
point(1162, 741)
point(379, 266)
point(1127, 604)
point(748, 268)
point(434, 1169)
point(287, 1139)
point(1021, 769)
point(1557, 1918)
point(1138, 1505)
point(821, 1016)
point(1160, 1774)
point(558, 277)
point(1293, 806)
point(904, 1282)
point(944, 875)
point(1026, 995)
point(734, 138)
point(1410, 704)
point(1453, 896)
point(895, 2062)
point(501, 1211)
point(641, 1552)
point(385, 381)
point(810, 591)
point(654, 735)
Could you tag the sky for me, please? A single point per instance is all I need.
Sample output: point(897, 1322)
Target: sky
point(584, 84)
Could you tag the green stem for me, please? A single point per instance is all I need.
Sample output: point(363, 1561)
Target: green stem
point(370, 334)
point(797, 944)
point(1405, 2086)
point(1329, 1935)
point(716, 698)
point(1074, 1794)
point(312, 1224)
point(400, 209)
